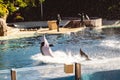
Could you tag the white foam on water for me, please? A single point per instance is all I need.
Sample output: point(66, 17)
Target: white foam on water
point(96, 64)
point(111, 43)
point(47, 72)
point(61, 57)
point(58, 57)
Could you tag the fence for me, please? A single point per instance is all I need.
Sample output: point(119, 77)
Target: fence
point(41, 73)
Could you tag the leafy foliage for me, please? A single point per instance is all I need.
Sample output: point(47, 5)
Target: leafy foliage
point(3, 10)
point(20, 3)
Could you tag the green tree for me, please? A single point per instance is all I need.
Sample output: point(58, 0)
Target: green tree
point(14, 5)
point(3, 11)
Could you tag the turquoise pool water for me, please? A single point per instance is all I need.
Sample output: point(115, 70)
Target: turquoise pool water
point(22, 53)
point(16, 53)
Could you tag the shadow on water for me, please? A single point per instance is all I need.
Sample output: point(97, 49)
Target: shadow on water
point(106, 75)
point(64, 78)
point(102, 75)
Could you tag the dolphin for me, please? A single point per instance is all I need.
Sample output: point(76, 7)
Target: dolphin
point(45, 47)
point(83, 54)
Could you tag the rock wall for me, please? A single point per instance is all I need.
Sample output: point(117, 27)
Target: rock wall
point(3, 27)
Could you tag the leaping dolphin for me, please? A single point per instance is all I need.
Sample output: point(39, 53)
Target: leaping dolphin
point(45, 48)
point(83, 54)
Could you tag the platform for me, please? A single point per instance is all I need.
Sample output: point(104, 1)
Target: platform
point(22, 34)
point(61, 31)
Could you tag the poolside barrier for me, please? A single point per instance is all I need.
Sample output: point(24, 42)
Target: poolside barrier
point(13, 74)
point(77, 71)
point(68, 68)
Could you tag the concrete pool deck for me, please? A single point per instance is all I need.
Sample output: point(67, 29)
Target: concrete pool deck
point(16, 33)
point(21, 34)
point(61, 30)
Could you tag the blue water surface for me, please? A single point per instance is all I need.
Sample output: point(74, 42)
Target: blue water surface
point(16, 53)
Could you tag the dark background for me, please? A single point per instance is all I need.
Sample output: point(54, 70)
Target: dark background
point(107, 9)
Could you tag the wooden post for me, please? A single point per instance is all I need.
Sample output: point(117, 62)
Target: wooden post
point(13, 74)
point(77, 71)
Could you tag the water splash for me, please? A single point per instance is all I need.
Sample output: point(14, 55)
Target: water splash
point(60, 57)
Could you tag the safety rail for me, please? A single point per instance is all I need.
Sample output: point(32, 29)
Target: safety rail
point(35, 73)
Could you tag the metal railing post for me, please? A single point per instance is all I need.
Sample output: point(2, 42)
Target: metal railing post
point(77, 71)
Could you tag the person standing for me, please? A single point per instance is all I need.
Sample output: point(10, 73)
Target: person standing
point(81, 18)
point(58, 22)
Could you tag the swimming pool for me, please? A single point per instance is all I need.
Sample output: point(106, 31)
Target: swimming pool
point(24, 55)
point(16, 53)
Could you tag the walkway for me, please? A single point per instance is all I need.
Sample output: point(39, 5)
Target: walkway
point(22, 34)
point(34, 24)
